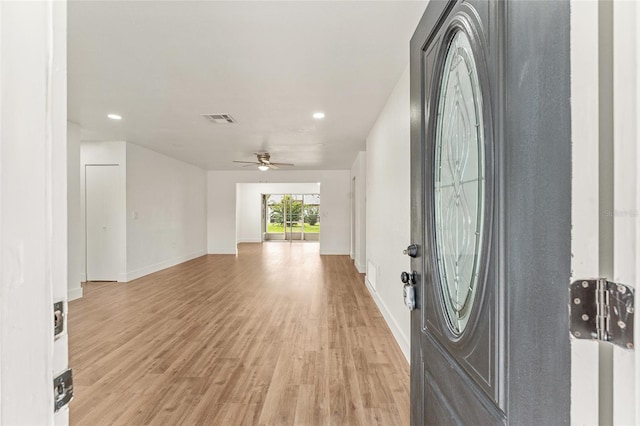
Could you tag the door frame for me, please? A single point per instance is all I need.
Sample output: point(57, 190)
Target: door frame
point(353, 219)
point(33, 208)
point(605, 199)
point(287, 232)
point(626, 195)
point(585, 200)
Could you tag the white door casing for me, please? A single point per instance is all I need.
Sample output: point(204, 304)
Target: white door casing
point(626, 213)
point(58, 185)
point(585, 200)
point(32, 208)
point(605, 195)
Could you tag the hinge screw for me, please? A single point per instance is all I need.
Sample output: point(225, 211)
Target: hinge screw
point(622, 289)
point(621, 324)
point(585, 284)
point(576, 301)
point(630, 345)
point(585, 317)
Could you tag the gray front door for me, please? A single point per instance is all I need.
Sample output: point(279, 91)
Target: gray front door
point(491, 213)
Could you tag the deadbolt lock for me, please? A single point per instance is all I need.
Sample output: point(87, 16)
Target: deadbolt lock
point(411, 251)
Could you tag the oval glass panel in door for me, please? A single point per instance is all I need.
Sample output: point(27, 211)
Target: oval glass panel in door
point(459, 183)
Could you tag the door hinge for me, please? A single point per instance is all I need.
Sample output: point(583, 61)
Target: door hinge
point(602, 310)
point(62, 390)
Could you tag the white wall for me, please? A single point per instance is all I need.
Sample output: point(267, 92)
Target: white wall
point(166, 211)
point(221, 206)
point(106, 153)
point(163, 205)
point(359, 247)
point(387, 209)
point(75, 227)
point(249, 205)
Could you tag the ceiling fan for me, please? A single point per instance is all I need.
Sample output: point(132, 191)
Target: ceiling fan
point(263, 162)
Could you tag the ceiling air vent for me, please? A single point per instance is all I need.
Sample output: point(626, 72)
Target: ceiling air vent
point(219, 118)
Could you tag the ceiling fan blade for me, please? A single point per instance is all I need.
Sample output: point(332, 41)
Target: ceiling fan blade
point(263, 160)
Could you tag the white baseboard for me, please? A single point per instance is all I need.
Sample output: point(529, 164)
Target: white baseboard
point(249, 240)
point(141, 272)
point(74, 293)
point(360, 267)
point(401, 338)
point(83, 277)
point(333, 253)
point(222, 250)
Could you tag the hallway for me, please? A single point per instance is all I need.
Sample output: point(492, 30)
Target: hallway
point(275, 335)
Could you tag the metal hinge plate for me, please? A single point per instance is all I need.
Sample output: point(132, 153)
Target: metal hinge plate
point(602, 310)
point(58, 319)
point(62, 389)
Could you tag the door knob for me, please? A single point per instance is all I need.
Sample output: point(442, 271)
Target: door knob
point(411, 251)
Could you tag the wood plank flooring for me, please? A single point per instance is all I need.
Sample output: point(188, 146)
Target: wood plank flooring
point(275, 335)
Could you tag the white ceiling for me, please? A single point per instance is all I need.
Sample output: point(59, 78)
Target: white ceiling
point(269, 64)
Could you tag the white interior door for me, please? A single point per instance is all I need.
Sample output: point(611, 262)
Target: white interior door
point(103, 234)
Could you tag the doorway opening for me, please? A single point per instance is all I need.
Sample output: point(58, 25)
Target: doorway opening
point(353, 218)
point(291, 217)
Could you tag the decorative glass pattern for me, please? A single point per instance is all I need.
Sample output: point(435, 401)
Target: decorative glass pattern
point(459, 183)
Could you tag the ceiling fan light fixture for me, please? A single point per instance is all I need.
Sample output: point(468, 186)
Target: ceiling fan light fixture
point(263, 168)
point(318, 115)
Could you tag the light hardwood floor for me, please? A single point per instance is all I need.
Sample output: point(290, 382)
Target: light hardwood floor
point(275, 335)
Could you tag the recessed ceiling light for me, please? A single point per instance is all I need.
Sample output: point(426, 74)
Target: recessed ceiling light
point(114, 116)
point(318, 115)
point(263, 168)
